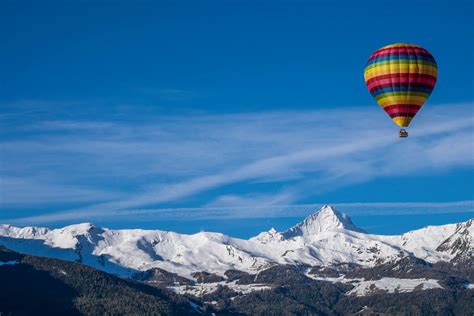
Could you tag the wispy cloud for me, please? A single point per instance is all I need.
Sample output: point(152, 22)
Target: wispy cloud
point(165, 159)
point(299, 210)
point(255, 211)
point(29, 192)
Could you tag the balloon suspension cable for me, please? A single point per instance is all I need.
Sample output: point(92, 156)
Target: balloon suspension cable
point(403, 133)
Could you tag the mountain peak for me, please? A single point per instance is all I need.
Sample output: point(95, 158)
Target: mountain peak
point(272, 231)
point(80, 229)
point(327, 218)
point(271, 235)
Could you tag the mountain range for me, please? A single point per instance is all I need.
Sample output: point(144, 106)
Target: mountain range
point(325, 238)
point(325, 250)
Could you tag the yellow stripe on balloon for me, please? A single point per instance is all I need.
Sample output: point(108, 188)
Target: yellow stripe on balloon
point(401, 100)
point(395, 66)
point(399, 62)
point(402, 121)
point(398, 45)
point(401, 68)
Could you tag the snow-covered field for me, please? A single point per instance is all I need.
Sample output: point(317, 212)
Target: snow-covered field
point(388, 285)
point(393, 285)
point(207, 288)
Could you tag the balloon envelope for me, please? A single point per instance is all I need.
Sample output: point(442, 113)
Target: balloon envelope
point(401, 77)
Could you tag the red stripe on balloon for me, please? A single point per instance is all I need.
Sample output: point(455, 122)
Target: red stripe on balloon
point(397, 50)
point(402, 114)
point(402, 108)
point(394, 79)
point(405, 76)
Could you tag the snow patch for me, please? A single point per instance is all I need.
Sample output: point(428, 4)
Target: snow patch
point(202, 289)
point(340, 279)
point(393, 285)
point(389, 285)
point(8, 263)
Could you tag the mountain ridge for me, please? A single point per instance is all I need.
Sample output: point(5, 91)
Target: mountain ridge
point(325, 238)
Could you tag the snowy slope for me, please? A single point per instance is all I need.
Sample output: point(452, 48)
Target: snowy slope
point(440, 243)
point(393, 285)
point(324, 238)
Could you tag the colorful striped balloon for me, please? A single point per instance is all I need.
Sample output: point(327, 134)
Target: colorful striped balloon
point(401, 77)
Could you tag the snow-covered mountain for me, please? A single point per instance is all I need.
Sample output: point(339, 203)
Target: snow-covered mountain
point(326, 238)
point(326, 219)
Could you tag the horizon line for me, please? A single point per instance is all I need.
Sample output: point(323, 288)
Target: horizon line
point(266, 211)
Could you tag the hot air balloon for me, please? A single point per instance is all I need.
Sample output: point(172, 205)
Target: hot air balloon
point(401, 77)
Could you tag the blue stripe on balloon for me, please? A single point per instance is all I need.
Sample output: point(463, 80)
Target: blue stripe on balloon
point(402, 57)
point(401, 88)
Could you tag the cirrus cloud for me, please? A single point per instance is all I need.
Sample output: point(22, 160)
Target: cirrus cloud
point(126, 165)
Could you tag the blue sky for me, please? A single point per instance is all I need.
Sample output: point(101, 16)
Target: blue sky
point(185, 116)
